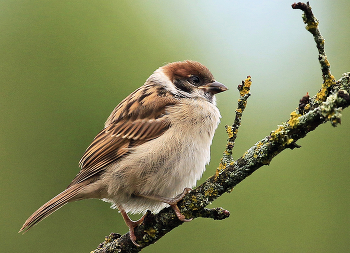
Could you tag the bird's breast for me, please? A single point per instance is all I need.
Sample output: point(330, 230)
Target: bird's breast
point(177, 158)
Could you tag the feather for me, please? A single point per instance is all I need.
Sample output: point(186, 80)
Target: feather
point(115, 140)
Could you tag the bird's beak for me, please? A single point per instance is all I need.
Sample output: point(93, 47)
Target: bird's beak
point(214, 87)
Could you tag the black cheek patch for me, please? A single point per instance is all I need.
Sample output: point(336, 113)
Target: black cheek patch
point(182, 86)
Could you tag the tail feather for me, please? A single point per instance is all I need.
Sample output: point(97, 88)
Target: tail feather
point(51, 206)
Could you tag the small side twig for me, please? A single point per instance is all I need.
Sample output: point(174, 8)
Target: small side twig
point(244, 92)
point(312, 26)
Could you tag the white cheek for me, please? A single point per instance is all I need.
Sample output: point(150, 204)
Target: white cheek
point(159, 77)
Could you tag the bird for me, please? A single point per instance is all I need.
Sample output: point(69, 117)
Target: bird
point(154, 146)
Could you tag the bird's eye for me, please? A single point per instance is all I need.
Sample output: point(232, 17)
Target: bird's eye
point(194, 80)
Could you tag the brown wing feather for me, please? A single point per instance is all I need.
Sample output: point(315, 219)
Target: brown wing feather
point(133, 122)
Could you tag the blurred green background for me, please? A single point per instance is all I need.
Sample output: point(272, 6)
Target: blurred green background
point(66, 64)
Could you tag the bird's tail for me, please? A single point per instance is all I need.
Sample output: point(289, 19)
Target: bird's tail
point(52, 205)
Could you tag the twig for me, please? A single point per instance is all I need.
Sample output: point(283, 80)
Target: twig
point(312, 26)
point(244, 92)
point(312, 112)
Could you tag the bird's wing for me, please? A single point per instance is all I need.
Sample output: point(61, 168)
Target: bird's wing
point(140, 117)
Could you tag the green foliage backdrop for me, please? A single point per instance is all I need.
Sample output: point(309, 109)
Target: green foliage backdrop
point(64, 65)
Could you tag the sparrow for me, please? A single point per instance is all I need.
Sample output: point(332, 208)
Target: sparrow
point(153, 148)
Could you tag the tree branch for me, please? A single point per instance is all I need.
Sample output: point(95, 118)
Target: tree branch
point(325, 106)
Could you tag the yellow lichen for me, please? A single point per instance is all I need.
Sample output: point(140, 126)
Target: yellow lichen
point(243, 92)
point(219, 169)
point(294, 119)
point(275, 134)
point(210, 192)
point(329, 82)
point(151, 232)
point(257, 149)
point(326, 62)
point(194, 204)
point(248, 82)
point(335, 122)
point(307, 107)
point(229, 131)
point(259, 144)
point(246, 86)
point(194, 199)
point(226, 152)
point(290, 141)
point(321, 95)
point(311, 25)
